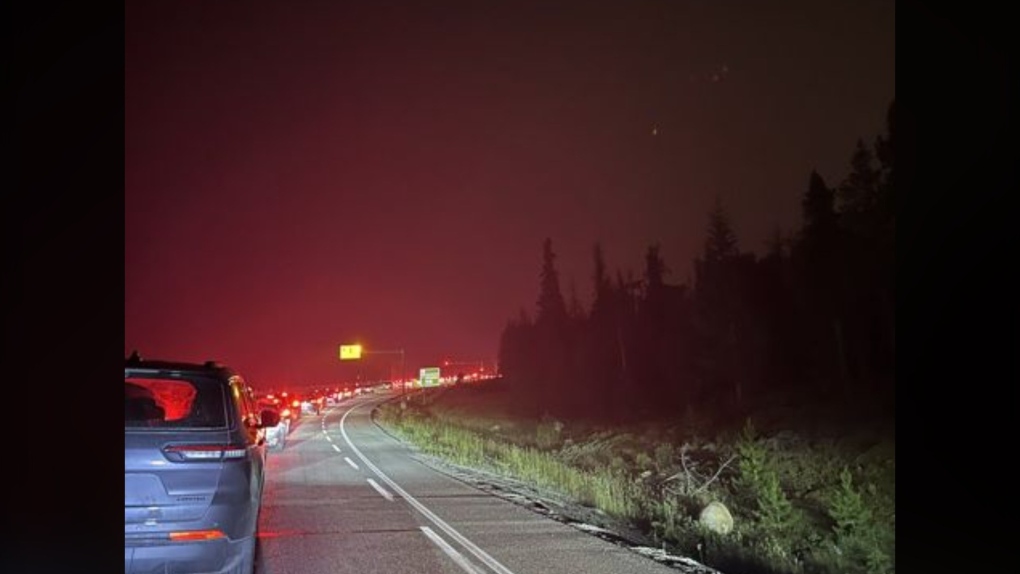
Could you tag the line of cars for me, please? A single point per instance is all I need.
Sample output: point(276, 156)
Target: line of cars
point(196, 437)
point(289, 410)
point(194, 468)
point(291, 406)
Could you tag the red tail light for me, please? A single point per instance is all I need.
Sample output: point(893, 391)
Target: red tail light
point(203, 452)
point(196, 535)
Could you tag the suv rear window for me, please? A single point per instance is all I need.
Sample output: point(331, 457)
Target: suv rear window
point(173, 403)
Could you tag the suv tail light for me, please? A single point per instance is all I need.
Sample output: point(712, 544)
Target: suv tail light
point(203, 452)
point(196, 535)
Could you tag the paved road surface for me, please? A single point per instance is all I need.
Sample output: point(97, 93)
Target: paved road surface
point(345, 497)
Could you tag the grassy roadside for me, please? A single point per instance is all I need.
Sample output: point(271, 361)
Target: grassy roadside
point(797, 502)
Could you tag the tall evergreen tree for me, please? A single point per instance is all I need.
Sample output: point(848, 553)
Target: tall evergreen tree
point(858, 195)
point(776, 307)
point(552, 336)
point(880, 255)
point(624, 308)
point(602, 346)
point(516, 355)
point(602, 308)
point(655, 339)
point(884, 151)
point(823, 266)
point(654, 301)
point(575, 309)
point(885, 145)
point(717, 274)
point(655, 269)
point(722, 241)
point(819, 213)
point(551, 307)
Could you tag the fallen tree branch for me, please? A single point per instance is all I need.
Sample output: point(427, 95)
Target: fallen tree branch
point(692, 478)
point(715, 476)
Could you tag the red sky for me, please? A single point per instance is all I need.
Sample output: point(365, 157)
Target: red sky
point(299, 175)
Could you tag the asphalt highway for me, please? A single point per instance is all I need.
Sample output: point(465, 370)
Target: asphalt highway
point(345, 497)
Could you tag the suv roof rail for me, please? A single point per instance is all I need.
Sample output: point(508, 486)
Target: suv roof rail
point(135, 358)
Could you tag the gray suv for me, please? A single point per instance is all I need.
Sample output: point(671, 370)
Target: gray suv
point(194, 459)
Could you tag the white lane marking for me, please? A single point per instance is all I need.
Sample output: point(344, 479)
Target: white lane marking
point(450, 551)
point(335, 447)
point(385, 493)
point(351, 462)
point(449, 530)
point(329, 438)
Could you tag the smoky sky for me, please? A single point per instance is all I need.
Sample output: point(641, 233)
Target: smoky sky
point(305, 174)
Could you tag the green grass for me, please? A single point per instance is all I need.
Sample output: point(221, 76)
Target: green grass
point(801, 504)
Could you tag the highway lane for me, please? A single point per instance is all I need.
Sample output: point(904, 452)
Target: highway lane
point(346, 497)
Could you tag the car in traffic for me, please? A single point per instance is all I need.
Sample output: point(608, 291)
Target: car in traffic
point(292, 410)
point(276, 436)
point(194, 468)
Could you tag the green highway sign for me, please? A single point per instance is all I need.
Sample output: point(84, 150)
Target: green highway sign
point(429, 376)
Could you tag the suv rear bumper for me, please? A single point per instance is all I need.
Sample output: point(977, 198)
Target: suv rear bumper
point(209, 557)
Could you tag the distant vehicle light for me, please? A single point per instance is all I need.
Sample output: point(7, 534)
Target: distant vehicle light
point(295, 404)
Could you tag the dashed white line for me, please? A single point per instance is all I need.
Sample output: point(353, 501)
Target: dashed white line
point(351, 462)
point(335, 447)
point(431, 516)
point(385, 493)
point(450, 551)
point(329, 438)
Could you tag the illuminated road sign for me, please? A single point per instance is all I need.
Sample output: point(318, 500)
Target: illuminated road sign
point(350, 352)
point(429, 376)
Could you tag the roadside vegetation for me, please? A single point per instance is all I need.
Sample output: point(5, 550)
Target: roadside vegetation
point(743, 416)
point(795, 499)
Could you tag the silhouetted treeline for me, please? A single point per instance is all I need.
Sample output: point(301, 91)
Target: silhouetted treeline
point(813, 317)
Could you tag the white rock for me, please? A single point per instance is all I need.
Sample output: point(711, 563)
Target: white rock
point(717, 518)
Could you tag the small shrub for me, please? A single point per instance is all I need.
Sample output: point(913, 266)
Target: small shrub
point(665, 454)
point(547, 433)
point(774, 513)
point(751, 469)
point(617, 465)
point(860, 539)
point(846, 506)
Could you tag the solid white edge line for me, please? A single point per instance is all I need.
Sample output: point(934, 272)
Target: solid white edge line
point(351, 462)
point(449, 530)
point(450, 551)
point(385, 494)
point(335, 447)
